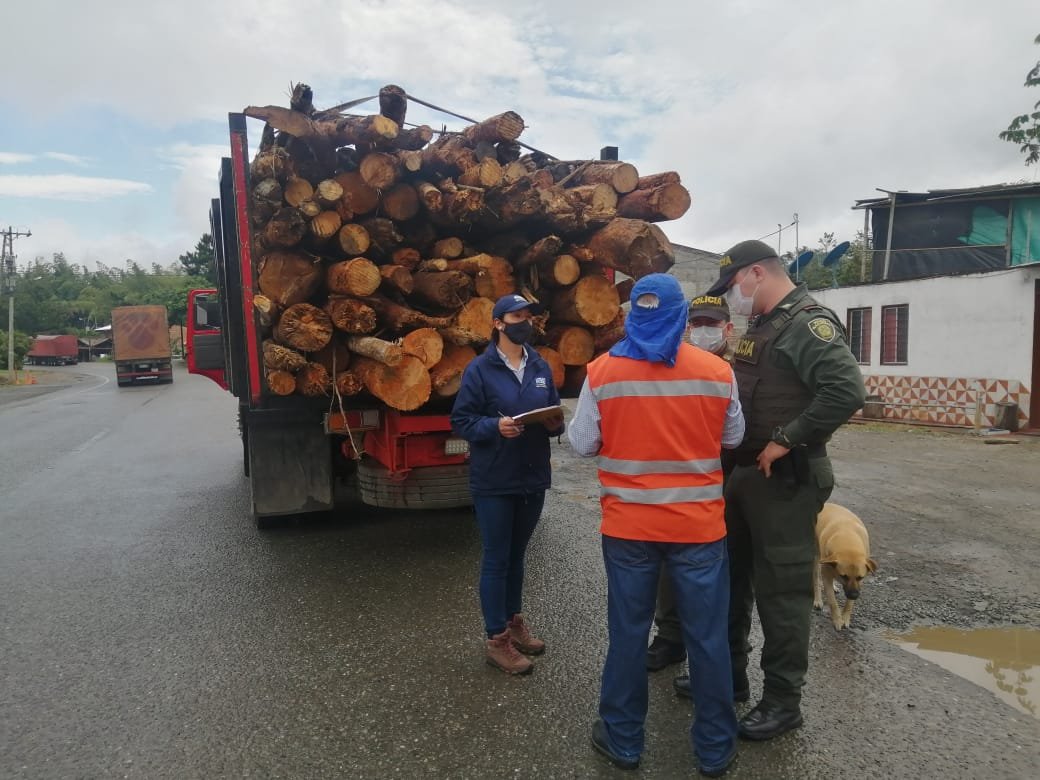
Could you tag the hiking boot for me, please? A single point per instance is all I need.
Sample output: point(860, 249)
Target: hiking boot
point(523, 640)
point(502, 653)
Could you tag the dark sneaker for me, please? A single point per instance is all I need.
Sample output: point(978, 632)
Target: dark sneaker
point(503, 654)
point(766, 721)
point(523, 639)
point(681, 684)
point(600, 743)
point(663, 652)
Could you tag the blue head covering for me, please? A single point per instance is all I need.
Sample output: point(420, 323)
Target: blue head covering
point(654, 329)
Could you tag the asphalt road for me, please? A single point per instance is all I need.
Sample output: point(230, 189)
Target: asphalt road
point(149, 631)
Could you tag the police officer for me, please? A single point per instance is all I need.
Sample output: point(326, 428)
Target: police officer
point(708, 327)
point(798, 382)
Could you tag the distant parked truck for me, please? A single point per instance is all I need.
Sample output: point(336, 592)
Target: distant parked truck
point(54, 351)
point(141, 345)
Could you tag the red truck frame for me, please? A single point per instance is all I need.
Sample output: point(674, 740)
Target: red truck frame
point(298, 452)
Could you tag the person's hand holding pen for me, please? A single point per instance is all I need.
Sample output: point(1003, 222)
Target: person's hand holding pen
point(508, 427)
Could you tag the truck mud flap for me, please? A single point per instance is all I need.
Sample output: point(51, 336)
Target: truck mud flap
point(290, 470)
point(430, 487)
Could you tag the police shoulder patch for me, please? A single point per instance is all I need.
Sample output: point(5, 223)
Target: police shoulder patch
point(823, 329)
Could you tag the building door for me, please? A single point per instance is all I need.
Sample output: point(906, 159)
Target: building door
point(1034, 388)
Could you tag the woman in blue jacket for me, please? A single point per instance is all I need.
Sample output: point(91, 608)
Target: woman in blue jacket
point(509, 471)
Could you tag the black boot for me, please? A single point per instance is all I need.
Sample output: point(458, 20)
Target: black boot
point(681, 684)
point(766, 721)
point(663, 652)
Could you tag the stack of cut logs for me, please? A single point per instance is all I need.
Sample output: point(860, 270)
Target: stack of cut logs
point(381, 251)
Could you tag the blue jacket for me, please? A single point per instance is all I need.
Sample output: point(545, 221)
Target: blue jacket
point(501, 466)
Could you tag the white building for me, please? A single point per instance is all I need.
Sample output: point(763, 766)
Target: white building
point(949, 332)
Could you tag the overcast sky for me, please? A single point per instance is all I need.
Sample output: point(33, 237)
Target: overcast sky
point(113, 113)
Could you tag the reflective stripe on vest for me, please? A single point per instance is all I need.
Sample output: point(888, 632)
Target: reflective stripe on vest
point(637, 467)
point(649, 388)
point(672, 495)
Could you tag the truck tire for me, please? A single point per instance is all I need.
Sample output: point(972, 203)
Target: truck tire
point(429, 487)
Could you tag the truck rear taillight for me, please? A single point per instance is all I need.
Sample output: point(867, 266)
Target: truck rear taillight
point(353, 421)
point(456, 447)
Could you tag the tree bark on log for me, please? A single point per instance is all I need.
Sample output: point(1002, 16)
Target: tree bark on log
point(461, 337)
point(632, 246)
point(540, 251)
point(393, 103)
point(487, 173)
point(407, 257)
point(272, 163)
point(396, 278)
point(610, 334)
point(448, 155)
point(425, 344)
point(401, 202)
point(351, 315)
point(431, 197)
point(471, 265)
point(556, 365)
point(348, 383)
point(591, 301)
point(358, 277)
point(289, 277)
point(267, 311)
point(624, 289)
point(398, 318)
point(496, 280)
point(575, 344)
point(376, 349)
point(657, 179)
point(405, 386)
point(303, 327)
point(446, 376)
point(334, 356)
point(281, 382)
point(313, 380)
point(502, 127)
point(383, 234)
point(330, 133)
point(285, 229)
point(413, 139)
point(279, 358)
point(410, 161)
point(622, 176)
point(657, 204)
point(444, 289)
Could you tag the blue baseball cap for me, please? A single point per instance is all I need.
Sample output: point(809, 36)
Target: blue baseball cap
point(508, 303)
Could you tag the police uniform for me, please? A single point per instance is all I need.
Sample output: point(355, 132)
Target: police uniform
point(798, 382)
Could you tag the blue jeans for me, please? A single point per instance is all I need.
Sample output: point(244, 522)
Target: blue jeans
point(506, 525)
point(700, 578)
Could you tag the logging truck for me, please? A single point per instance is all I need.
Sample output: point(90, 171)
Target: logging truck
point(358, 261)
point(298, 448)
point(141, 345)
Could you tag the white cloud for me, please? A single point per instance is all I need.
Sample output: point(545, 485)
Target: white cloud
point(72, 159)
point(111, 248)
point(14, 158)
point(65, 187)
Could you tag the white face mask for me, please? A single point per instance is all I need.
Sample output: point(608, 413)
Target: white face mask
point(707, 337)
point(743, 305)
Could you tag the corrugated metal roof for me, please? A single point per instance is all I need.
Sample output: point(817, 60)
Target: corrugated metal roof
point(962, 193)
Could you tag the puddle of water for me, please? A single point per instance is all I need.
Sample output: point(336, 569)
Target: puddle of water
point(1001, 660)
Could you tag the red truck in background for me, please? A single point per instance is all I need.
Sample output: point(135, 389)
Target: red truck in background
point(54, 351)
point(141, 345)
point(297, 449)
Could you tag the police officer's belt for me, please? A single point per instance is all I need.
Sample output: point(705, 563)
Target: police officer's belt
point(749, 456)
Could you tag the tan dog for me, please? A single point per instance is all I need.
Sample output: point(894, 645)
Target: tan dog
point(842, 554)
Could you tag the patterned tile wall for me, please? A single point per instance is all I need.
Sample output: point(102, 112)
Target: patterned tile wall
point(945, 400)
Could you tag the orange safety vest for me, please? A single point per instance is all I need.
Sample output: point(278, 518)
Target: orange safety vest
point(659, 466)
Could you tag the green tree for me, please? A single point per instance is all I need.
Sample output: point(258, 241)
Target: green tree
point(1024, 130)
point(22, 345)
point(200, 263)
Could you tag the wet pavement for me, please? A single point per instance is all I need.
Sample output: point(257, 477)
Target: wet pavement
point(150, 631)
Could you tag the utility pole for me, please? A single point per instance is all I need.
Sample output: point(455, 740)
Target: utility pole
point(7, 267)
